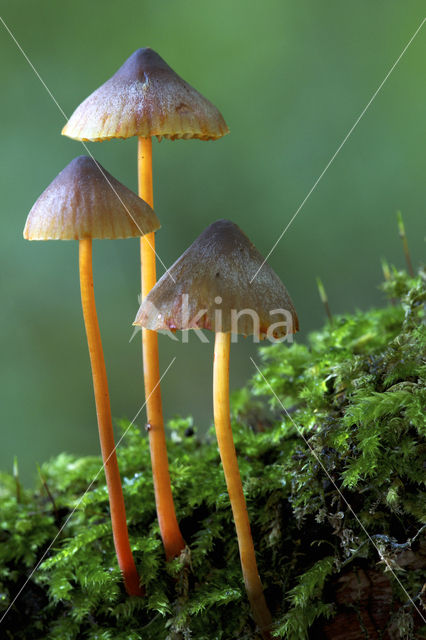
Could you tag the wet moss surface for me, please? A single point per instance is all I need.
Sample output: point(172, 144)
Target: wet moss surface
point(330, 438)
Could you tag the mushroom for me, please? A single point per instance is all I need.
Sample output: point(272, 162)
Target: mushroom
point(84, 202)
point(213, 290)
point(146, 98)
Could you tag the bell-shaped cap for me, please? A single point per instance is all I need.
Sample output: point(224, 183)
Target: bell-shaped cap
point(146, 98)
point(85, 201)
point(209, 287)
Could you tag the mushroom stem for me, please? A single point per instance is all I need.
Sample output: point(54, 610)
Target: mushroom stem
point(222, 421)
point(103, 411)
point(170, 533)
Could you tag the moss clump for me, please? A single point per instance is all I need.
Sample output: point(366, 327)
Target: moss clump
point(356, 395)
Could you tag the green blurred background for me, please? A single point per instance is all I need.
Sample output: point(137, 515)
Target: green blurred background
point(290, 78)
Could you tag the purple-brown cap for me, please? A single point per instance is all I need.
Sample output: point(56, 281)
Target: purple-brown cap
point(209, 287)
point(85, 201)
point(146, 98)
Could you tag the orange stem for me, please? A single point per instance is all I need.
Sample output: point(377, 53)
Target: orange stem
point(170, 533)
point(103, 411)
point(222, 421)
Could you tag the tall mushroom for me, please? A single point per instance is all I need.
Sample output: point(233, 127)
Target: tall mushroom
point(84, 202)
point(146, 98)
point(212, 289)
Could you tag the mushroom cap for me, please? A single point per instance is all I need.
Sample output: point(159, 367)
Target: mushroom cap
point(85, 201)
point(145, 97)
point(215, 273)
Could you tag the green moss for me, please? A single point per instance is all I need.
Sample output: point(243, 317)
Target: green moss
point(355, 393)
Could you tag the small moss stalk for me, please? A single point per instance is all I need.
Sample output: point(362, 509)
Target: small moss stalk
point(403, 236)
point(324, 299)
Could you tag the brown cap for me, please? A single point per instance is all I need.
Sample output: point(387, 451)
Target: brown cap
point(145, 97)
point(85, 201)
point(215, 273)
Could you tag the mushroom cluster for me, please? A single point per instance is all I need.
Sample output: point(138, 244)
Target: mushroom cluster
point(211, 286)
